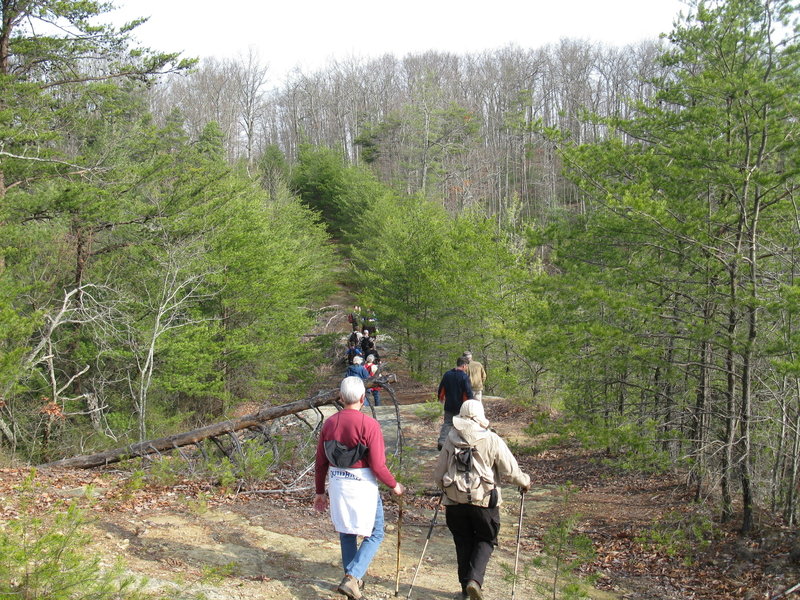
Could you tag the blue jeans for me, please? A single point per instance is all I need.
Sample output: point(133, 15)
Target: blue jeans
point(355, 558)
point(375, 394)
point(447, 425)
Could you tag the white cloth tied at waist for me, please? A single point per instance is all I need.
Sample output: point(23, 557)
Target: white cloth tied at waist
point(354, 500)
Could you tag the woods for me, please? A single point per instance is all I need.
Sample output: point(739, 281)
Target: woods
point(611, 231)
point(143, 277)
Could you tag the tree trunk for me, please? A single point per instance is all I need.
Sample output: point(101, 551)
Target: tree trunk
point(192, 437)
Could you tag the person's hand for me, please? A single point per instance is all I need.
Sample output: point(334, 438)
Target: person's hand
point(320, 502)
point(399, 489)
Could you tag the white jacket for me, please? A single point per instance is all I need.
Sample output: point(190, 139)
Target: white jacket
point(492, 450)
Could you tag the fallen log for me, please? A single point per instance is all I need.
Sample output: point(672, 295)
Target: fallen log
point(171, 442)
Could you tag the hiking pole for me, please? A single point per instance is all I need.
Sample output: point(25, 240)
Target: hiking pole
point(399, 526)
point(425, 547)
point(519, 537)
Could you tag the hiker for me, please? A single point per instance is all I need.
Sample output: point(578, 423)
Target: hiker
point(372, 369)
point(367, 344)
point(453, 390)
point(351, 454)
point(370, 322)
point(357, 369)
point(477, 375)
point(354, 317)
point(352, 352)
point(355, 338)
point(469, 471)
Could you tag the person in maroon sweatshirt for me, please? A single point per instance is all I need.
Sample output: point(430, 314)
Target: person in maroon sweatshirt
point(351, 455)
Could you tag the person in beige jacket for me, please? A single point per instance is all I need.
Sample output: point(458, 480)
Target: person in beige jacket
point(471, 493)
point(477, 375)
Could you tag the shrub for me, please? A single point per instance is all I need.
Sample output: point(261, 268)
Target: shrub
point(45, 556)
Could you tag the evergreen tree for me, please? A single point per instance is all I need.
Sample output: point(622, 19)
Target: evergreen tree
point(683, 242)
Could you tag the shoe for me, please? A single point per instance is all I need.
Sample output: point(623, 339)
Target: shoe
point(474, 590)
point(350, 587)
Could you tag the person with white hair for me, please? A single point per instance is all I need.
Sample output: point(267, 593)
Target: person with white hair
point(372, 369)
point(471, 465)
point(368, 343)
point(351, 455)
point(357, 369)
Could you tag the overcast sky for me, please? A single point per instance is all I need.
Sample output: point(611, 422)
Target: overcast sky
point(308, 33)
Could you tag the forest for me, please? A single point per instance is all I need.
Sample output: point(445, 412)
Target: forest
point(612, 231)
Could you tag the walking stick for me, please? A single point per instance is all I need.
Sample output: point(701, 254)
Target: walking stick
point(519, 536)
point(399, 526)
point(425, 547)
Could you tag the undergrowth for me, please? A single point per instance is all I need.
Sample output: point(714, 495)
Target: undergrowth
point(45, 556)
point(631, 447)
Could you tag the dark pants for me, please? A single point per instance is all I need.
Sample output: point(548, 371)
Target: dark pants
point(474, 530)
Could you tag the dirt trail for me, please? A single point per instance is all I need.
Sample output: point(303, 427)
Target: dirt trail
point(260, 549)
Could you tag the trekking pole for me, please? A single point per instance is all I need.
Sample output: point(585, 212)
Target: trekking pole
point(519, 537)
point(399, 526)
point(425, 547)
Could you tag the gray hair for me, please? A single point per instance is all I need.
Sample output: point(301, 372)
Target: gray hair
point(352, 390)
point(357, 360)
point(467, 355)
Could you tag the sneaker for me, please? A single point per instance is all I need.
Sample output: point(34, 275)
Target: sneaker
point(350, 587)
point(474, 590)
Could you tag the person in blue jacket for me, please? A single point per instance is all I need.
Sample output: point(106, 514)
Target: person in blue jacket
point(357, 369)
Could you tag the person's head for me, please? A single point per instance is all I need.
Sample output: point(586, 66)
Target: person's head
point(371, 358)
point(471, 414)
point(366, 332)
point(468, 356)
point(357, 360)
point(461, 363)
point(352, 390)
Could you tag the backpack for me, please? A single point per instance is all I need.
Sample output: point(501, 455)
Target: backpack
point(469, 480)
point(340, 455)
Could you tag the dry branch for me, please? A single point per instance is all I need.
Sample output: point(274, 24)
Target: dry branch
point(193, 437)
point(254, 420)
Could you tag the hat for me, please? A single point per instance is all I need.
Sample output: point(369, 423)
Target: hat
point(471, 412)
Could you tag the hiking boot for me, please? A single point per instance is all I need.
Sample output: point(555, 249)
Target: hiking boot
point(350, 587)
point(474, 590)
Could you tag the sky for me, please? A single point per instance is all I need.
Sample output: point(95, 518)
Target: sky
point(308, 34)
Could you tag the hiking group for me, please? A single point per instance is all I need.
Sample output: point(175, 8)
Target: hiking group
point(473, 461)
point(362, 356)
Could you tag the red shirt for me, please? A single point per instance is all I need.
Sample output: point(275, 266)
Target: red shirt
point(346, 426)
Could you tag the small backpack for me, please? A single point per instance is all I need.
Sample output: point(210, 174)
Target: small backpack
point(342, 456)
point(469, 480)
